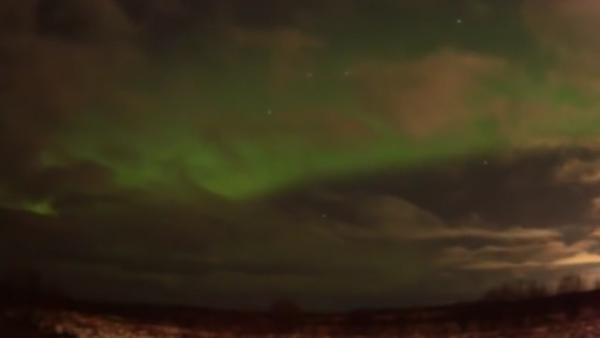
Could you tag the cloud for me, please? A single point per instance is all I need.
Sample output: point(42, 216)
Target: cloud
point(49, 81)
point(566, 29)
point(207, 245)
point(579, 171)
point(393, 218)
point(493, 265)
point(563, 24)
point(16, 17)
point(582, 172)
point(254, 245)
point(537, 254)
point(408, 95)
point(479, 9)
point(288, 50)
point(87, 20)
point(158, 160)
point(268, 252)
point(85, 97)
point(511, 234)
point(128, 97)
point(579, 259)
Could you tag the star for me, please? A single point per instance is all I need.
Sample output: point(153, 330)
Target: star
point(309, 74)
point(269, 111)
point(459, 21)
point(324, 215)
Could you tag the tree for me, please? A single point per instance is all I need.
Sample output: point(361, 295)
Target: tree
point(570, 284)
point(535, 289)
point(519, 289)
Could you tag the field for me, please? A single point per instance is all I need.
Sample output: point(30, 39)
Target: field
point(571, 315)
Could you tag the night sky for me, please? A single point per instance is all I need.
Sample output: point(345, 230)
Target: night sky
point(341, 153)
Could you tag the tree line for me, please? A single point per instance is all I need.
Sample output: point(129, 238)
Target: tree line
point(523, 289)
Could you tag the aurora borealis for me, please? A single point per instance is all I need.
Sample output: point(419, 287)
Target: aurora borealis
point(342, 154)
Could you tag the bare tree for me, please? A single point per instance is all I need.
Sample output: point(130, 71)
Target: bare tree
point(500, 293)
point(519, 289)
point(534, 289)
point(570, 284)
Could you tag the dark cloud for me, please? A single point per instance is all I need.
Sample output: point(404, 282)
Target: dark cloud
point(212, 151)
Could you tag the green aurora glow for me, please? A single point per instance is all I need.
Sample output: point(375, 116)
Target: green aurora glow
point(241, 168)
point(207, 123)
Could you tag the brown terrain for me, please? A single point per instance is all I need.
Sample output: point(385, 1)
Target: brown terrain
point(522, 309)
point(565, 315)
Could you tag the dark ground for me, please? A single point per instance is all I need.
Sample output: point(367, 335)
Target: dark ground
point(38, 318)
